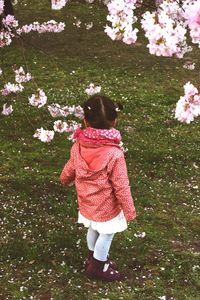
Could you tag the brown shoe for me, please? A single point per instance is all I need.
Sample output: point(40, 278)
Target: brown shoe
point(95, 271)
point(111, 263)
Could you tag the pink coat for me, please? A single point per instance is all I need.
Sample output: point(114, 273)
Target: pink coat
point(101, 180)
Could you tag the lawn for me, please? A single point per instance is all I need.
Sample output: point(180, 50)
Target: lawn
point(42, 247)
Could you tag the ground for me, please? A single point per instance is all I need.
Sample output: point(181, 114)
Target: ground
point(42, 247)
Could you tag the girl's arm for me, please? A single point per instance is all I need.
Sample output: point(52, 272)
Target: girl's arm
point(67, 175)
point(121, 186)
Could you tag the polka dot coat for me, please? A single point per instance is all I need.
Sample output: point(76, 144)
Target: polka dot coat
point(101, 180)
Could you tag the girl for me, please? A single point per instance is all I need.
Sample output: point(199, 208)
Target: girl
point(98, 167)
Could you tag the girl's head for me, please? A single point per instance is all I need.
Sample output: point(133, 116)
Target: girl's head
point(100, 112)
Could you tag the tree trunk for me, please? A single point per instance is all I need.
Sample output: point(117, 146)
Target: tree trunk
point(8, 8)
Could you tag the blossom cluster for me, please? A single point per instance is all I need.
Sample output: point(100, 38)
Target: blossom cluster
point(50, 26)
point(44, 135)
point(188, 106)
point(122, 18)
point(192, 15)
point(58, 4)
point(9, 25)
point(11, 28)
point(62, 126)
point(39, 99)
point(166, 30)
point(11, 88)
point(92, 89)
point(1, 6)
point(7, 110)
point(56, 110)
point(21, 76)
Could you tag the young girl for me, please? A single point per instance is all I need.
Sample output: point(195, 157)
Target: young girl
point(98, 167)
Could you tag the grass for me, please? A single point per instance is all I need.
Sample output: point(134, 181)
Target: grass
point(42, 247)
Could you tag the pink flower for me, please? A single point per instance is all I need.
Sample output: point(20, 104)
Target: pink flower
point(50, 26)
point(11, 88)
point(92, 89)
point(58, 4)
point(192, 15)
point(1, 6)
point(188, 106)
point(21, 76)
point(7, 110)
point(39, 99)
point(60, 126)
point(10, 21)
point(122, 18)
point(57, 111)
point(43, 135)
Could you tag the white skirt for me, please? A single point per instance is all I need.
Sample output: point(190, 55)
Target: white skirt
point(114, 225)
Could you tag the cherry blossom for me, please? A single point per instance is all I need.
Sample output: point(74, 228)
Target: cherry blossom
point(60, 126)
point(1, 6)
point(10, 29)
point(165, 31)
point(5, 38)
point(10, 22)
point(21, 76)
point(189, 66)
point(58, 4)
point(192, 15)
point(43, 135)
point(188, 106)
point(11, 88)
point(56, 110)
point(7, 110)
point(92, 89)
point(39, 99)
point(122, 19)
point(50, 26)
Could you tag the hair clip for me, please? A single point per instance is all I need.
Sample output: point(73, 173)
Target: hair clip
point(89, 107)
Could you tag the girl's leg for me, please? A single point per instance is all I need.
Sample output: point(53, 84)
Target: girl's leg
point(102, 246)
point(92, 236)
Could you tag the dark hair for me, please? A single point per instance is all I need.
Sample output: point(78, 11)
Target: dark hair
point(100, 111)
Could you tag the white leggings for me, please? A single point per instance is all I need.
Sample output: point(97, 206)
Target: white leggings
point(99, 243)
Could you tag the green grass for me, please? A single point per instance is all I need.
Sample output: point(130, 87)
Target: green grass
point(42, 247)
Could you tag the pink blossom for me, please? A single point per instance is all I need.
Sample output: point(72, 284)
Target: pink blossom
point(73, 126)
point(58, 4)
point(78, 112)
point(11, 88)
point(166, 30)
point(122, 19)
point(189, 66)
point(1, 6)
point(7, 110)
point(43, 135)
point(39, 99)
point(58, 111)
point(5, 38)
point(10, 21)
point(92, 89)
point(192, 15)
point(188, 106)
point(60, 126)
point(21, 76)
point(50, 26)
